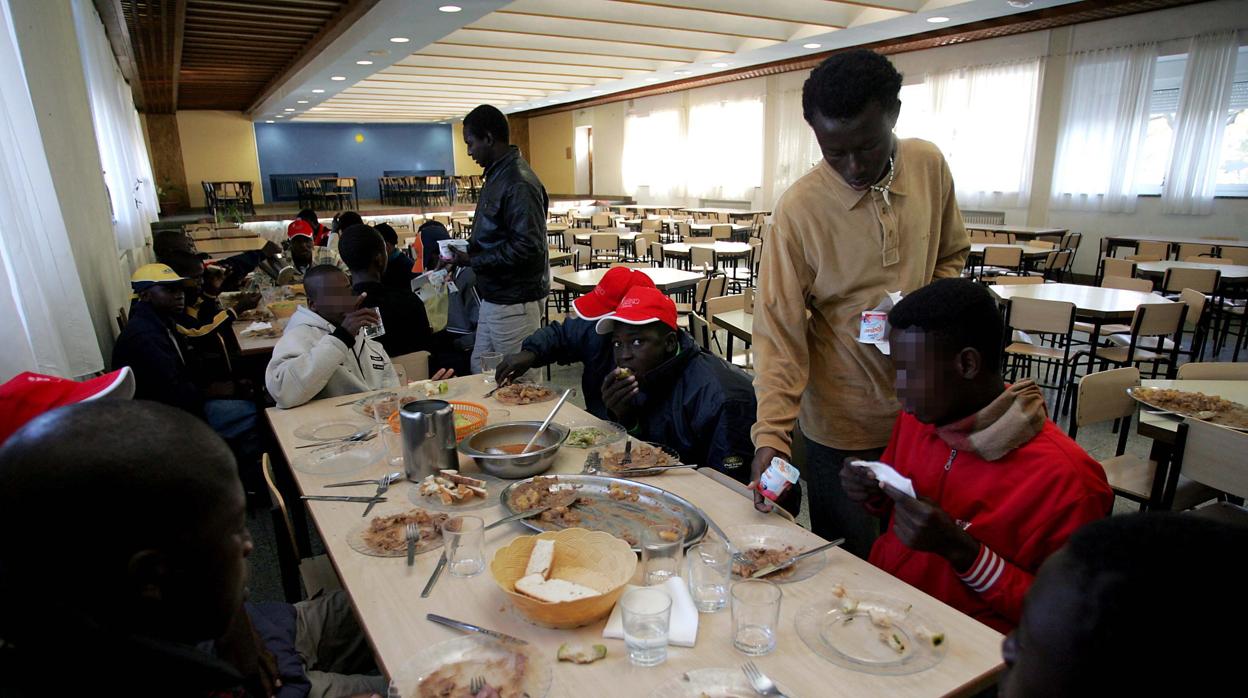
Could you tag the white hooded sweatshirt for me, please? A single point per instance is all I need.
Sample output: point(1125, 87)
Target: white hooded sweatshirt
point(310, 363)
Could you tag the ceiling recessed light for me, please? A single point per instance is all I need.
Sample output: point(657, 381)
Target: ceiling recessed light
point(937, 20)
point(720, 64)
point(812, 45)
point(288, 109)
point(399, 39)
point(363, 62)
point(450, 8)
point(318, 91)
point(338, 78)
point(301, 101)
point(268, 121)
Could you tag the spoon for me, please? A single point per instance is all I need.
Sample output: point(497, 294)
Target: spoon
point(540, 430)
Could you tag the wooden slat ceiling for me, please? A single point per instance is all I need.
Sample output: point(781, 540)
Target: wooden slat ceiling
point(533, 49)
point(222, 54)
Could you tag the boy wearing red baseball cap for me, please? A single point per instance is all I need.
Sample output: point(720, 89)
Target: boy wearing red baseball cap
point(304, 255)
point(667, 390)
point(575, 341)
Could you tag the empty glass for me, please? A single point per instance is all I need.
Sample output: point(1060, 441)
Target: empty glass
point(375, 331)
point(464, 538)
point(660, 553)
point(489, 364)
point(710, 568)
point(646, 613)
point(755, 616)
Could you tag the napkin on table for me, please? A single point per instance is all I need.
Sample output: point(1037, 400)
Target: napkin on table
point(258, 327)
point(887, 475)
point(682, 629)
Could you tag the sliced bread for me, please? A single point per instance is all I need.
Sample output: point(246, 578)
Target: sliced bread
point(553, 590)
point(541, 558)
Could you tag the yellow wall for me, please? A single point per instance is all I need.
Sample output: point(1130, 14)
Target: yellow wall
point(463, 164)
point(217, 146)
point(550, 150)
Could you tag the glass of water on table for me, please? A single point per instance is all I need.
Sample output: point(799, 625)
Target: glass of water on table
point(755, 616)
point(646, 614)
point(660, 553)
point(710, 569)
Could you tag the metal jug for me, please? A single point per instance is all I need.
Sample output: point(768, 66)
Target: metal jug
point(428, 431)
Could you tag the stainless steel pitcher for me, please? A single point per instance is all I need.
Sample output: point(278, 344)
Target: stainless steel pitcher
point(428, 431)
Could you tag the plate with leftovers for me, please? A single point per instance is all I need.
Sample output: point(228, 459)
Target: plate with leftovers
point(706, 683)
point(1189, 403)
point(642, 459)
point(452, 490)
point(525, 394)
point(594, 435)
point(386, 535)
point(767, 545)
point(364, 405)
point(599, 503)
point(871, 633)
point(445, 670)
point(330, 430)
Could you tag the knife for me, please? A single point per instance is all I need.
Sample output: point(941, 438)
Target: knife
point(342, 498)
point(789, 562)
point(460, 625)
point(437, 570)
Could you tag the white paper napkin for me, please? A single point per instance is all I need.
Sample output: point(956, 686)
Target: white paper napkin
point(886, 474)
point(257, 326)
point(682, 630)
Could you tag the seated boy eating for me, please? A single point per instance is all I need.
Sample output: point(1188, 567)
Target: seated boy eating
point(1000, 488)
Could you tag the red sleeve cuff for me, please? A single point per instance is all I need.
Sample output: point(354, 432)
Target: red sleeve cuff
point(984, 572)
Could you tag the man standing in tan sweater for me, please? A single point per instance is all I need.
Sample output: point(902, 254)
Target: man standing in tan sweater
point(877, 214)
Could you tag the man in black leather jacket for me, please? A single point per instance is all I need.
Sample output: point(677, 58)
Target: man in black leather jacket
point(508, 247)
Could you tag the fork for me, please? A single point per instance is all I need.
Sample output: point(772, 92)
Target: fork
point(411, 534)
point(382, 485)
point(476, 685)
point(361, 435)
point(763, 685)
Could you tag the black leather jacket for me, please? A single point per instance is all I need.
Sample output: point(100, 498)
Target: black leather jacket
point(508, 245)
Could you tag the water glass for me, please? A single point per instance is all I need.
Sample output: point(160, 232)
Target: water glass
point(464, 538)
point(392, 440)
point(755, 616)
point(646, 612)
point(375, 331)
point(710, 568)
point(382, 406)
point(660, 553)
point(489, 364)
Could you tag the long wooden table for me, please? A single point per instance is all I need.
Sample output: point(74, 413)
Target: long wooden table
point(1020, 232)
point(386, 593)
point(666, 279)
point(230, 245)
point(1029, 251)
point(1231, 273)
point(249, 345)
point(1113, 242)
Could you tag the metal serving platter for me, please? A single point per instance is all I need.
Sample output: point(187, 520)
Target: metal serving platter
point(623, 519)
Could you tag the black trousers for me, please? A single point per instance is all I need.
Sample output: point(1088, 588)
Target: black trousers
point(832, 514)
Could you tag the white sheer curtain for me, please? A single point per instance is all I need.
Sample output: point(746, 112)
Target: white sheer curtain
point(127, 170)
point(796, 150)
point(1200, 121)
point(654, 155)
point(725, 142)
point(42, 306)
point(1104, 123)
point(984, 121)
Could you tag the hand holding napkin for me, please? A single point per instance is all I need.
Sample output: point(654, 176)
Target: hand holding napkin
point(887, 475)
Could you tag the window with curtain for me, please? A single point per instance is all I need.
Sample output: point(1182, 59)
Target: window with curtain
point(725, 144)
point(796, 150)
point(984, 120)
point(1101, 139)
point(654, 154)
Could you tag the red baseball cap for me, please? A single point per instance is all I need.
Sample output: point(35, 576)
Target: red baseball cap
point(640, 306)
point(299, 227)
point(29, 395)
point(608, 293)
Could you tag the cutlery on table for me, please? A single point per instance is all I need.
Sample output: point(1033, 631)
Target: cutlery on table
point(411, 534)
point(764, 571)
point(361, 435)
point(542, 429)
point(340, 498)
point(469, 627)
point(437, 570)
point(476, 685)
point(628, 453)
point(382, 486)
point(762, 684)
point(392, 478)
point(503, 384)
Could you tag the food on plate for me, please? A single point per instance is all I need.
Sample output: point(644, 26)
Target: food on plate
point(1208, 408)
point(893, 640)
point(270, 332)
point(523, 394)
point(932, 638)
point(506, 675)
point(431, 388)
point(757, 558)
point(622, 493)
point(553, 590)
point(620, 510)
point(388, 534)
point(255, 314)
point(580, 654)
point(366, 404)
point(643, 456)
point(452, 488)
point(839, 591)
point(587, 437)
point(540, 558)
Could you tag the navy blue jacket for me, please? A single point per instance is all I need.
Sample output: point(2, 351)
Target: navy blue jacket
point(575, 341)
point(149, 348)
point(700, 406)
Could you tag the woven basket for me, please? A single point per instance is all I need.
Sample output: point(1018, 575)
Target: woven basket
point(284, 309)
point(591, 558)
point(475, 413)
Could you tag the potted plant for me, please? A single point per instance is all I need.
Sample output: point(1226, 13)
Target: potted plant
point(171, 196)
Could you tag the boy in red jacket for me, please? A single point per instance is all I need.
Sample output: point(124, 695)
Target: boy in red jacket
point(1000, 487)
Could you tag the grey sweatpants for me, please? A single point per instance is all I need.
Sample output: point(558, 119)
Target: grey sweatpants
point(331, 646)
point(503, 328)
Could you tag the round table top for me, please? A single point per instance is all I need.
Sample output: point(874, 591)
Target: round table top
point(1088, 300)
point(720, 247)
point(1229, 271)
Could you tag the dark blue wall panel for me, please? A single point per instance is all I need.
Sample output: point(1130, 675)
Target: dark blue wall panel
point(295, 147)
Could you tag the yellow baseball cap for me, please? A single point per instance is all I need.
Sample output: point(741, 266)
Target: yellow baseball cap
point(150, 274)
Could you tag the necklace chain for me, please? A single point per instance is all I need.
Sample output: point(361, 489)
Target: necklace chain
point(883, 189)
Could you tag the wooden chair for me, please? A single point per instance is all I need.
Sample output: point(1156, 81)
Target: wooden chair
point(1237, 255)
point(656, 254)
point(721, 232)
point(641, 250)
point(1127, 284)
point(604, 248)
point(982, 236)
point(558, 293)
point(703, 259)
point(122, 319)
point(683, 231)
point(710, 287)
point(1149, 251)
point(723, 304)
point(652, 224)
point(1212, 456)
point(700, 330)
point(569, 239)
point(316, 573)
point(600, 220)
point(415, 365)
point(1198, 320)
point(1156, 330)
point(1206, 259)
point(1190, 249)
point(1016, 280)
point(999, 261)
point(582, 256)
point(1053, 322)
point(1056, 264)
point(1214, 371)
point(1111, 266)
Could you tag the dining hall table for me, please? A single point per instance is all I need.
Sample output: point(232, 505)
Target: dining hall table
point(1030, 251)
point(252, 345)
point(230, 246)
point(385, 593)
point(737, 323)
point(666, 279)
point(1020, 232)
point(1230, 273)
point(1132, 240)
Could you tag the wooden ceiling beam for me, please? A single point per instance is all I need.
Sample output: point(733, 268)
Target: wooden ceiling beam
point(179, 22)
point(113, 17)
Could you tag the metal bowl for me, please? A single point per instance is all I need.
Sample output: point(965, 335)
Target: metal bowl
point(514, 467)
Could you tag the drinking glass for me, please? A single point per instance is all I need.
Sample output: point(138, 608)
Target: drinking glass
point(375, 331)
point(660, 553)
point(646, 613)
point(489, 364)
point(710, 568)
point(464, 538)
point(755, 616)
